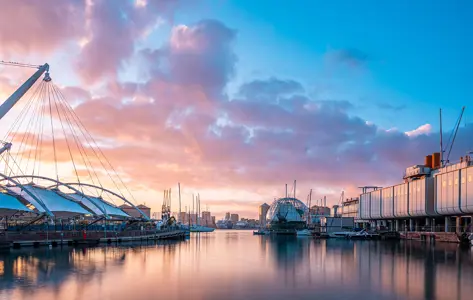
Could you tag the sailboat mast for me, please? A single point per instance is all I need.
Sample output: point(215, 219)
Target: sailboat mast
point(294, 188)
point(179, 190)
point(310, 202)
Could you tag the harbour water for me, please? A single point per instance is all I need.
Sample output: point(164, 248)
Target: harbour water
point(231, 264)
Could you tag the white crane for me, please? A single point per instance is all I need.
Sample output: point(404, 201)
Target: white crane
point(6, 106)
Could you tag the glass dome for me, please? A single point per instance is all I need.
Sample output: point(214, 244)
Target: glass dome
point(287, 210)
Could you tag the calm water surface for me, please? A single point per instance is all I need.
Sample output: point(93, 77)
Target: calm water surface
point(237, 265)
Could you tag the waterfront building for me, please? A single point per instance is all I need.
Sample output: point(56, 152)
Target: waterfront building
point(227, 216)
point(433, 197)
point(336, 211)
point(350, 208)
point(287, 215)
point(234, 218)
point(262, 212)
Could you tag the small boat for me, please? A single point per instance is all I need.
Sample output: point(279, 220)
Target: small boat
point(261, 232)
point(304, 232)
point(200, 228)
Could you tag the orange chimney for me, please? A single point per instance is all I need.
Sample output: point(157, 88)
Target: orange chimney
point(435, 160)
point(428, 161)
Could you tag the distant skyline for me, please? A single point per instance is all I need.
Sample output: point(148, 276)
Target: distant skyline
point(236, 98)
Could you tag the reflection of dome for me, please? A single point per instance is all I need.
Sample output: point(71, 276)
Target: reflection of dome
point(287, 210)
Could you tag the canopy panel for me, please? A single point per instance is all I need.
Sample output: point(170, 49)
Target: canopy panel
point(55, 203)
point(107, 207)
point(9, 205)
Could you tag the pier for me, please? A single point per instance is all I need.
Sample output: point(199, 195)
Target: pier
point(36, 239)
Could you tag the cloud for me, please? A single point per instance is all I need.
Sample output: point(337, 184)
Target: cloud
point(35, 27)
point(112, 31)
point(421, 130)
point(178, 124)
point(198, 55)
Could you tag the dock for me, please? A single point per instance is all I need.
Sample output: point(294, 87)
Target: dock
point(36, 239)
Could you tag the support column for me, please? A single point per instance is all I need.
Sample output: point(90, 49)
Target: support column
point(458, 223)
point(411, 225)
point(427, 224)
point(396, 225)
point(447, 224)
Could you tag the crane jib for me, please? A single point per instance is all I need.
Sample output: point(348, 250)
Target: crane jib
point(6, 106)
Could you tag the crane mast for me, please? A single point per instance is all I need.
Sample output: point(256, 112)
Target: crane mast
point(6, 106)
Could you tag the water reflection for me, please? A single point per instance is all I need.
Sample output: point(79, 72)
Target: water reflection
point(238, 265)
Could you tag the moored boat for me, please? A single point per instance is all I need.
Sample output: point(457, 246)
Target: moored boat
point(304, 232)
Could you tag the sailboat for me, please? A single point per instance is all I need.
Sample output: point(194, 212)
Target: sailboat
point(197, 227)
point(306, 231)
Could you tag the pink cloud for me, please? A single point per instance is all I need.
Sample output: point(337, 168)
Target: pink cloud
point(179, 124)
point(37, 27)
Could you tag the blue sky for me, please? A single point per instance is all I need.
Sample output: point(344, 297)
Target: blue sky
point(416, 54)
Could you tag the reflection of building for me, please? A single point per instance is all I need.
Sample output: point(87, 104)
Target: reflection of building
point(227, 216)
point(234, 218)
point(287, 214)
point(262, 212)
point(206, 218)
point(133, 212)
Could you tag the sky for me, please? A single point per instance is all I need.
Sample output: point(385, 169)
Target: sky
point(234, 99)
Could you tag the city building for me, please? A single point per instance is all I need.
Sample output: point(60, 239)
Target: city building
point(213, 220)
point(182, 217)
point(234, 218)
point(206, 218)
point(262, 212)
point(131, 211)
point(227, 216)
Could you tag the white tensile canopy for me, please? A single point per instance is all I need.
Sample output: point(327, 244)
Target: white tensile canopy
point(107, 207)
point(59, 206)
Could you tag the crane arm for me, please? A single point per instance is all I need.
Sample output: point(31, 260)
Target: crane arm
point(455, 130)
point(5, 147)
point(6, 106)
